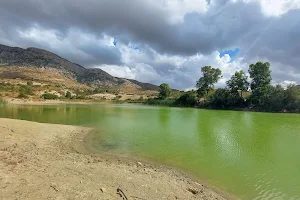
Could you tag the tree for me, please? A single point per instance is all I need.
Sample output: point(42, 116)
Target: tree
point(188, 99)
point(68, 95)
point(260, 84)
point(238, 82)
point(223, 98)
point(164, 91)
point(210, 77)
point(276, 99)
point(292, 98)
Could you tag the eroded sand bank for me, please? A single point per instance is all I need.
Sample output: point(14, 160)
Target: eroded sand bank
point(48, 161)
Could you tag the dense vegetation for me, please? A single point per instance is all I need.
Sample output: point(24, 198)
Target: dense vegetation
point(240, 93)
point(49, 96)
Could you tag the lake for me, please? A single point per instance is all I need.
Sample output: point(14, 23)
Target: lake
point(248, 154)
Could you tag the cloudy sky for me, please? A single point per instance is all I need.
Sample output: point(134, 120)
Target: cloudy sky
point(161, 40)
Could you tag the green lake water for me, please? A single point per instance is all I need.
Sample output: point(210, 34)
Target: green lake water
point(250, 155)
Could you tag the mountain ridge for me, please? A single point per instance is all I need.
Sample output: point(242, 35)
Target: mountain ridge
point(41, 58)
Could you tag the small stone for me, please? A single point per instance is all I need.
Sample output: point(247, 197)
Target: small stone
point(102, 190)
point(139, 164)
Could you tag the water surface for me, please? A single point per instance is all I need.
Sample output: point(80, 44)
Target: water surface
point(251, 155)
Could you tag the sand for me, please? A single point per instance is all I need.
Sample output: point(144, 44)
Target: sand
point(48, 161)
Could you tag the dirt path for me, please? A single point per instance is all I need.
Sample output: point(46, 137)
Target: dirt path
point(47, 161)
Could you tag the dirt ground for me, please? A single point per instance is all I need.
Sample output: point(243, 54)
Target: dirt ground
point(48, 161)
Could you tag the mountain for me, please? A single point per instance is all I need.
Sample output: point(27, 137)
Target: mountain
point(33, 63)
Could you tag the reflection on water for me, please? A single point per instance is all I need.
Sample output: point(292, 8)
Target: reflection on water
point(252, 155)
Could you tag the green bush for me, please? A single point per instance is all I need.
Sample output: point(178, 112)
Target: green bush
point(6, 87)
point(224, 99)
point(49, 96)
point(82, 96)
point(188, 99)
point(22, 95)
point(30, 83)
point(26, 90)
point(68, 95)
point(160, 102)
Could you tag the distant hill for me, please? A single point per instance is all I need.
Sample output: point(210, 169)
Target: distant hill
point(27, 64)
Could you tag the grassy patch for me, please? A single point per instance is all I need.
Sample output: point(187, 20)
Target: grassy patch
point(160, 102)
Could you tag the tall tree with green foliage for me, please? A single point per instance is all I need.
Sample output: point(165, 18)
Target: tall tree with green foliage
point(292, 98)
point(260, 84)
point(164, 91)
point(238, 82)
point(210, 77)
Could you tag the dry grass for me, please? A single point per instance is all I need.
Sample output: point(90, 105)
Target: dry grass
point(40, 76)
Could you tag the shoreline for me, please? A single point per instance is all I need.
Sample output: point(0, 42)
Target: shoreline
point(16, 101)
point(149, 163)
point(47, 160)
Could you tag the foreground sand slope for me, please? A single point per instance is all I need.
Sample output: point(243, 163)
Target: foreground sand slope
point(47, 161)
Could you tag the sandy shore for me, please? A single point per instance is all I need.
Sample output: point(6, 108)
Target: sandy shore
point(17, 101)
point(48, 161)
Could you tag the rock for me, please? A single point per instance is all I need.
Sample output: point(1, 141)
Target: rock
point(193, 191)
point(102, 190)
point(139, 164)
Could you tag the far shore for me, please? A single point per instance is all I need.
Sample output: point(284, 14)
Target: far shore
point(49, 161)
point(17, 101)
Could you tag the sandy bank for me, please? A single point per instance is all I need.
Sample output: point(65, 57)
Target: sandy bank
point(17, 101)
point(47, 161)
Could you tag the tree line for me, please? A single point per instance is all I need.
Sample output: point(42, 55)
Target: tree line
point(239, 93)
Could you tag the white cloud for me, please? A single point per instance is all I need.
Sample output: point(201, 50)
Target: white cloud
point(183, 71)
point(141, 72)
point(277, 7)
point(119, 71)
point(285, 83)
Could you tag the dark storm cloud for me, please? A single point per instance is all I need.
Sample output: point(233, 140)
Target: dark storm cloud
point(139, 21)
point(279, 40)
point(225, 25)
point(102, 55)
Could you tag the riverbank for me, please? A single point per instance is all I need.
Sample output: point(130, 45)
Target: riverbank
point(47, 161)
point(17, 101)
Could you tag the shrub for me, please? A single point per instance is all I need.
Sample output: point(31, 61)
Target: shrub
point(29, 83)
point(223, 98)
point(188, 99)
point(49, 96)
point(25, 89)
point(82, 96)
point(68, 95)
point(22, 95)
point(160, 102)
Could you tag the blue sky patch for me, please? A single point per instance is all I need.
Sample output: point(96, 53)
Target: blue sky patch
point(230, 52)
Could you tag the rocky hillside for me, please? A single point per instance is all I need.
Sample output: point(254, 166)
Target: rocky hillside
point(38, 58)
